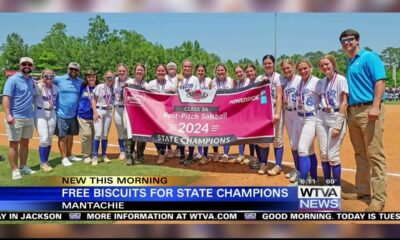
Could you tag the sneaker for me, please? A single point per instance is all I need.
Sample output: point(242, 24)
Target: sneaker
point(138, 160)
point(375, 206)
point(216, 157)
point(203, 161)
point(246, 161)
point(122, 156)
point(170, 153)
point(290, 174)
point(354, 196)
point(181, 159)
point(198, 156)
point(129, 161)
point(87, 160)
point(16, 174)
point(254, 164)
point(275, 171)
point(65, 162)
point(177, 152)
point(294, 177)
point(45, 167)
point(26, 170)
point(160, 159)
point(187, 162)
point(263, 167)
point(106, 159)
point(225, 158)
point(74, 158)
point(239, 159)
point(95, 161)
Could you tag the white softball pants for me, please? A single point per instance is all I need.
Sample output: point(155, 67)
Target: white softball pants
point(102, 126)
point(45, 123)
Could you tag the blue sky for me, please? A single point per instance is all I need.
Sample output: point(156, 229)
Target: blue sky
point(229, 35)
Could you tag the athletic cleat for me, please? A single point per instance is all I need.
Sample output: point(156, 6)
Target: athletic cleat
point(170, 153)
point(65, 162)
point(263, 167)
point(139, 160)
point(275, 171)
point(246, 161)
point(225, 158)
point(216, 157)
point(16, 174)
point(129, 162)
point(198, 156)
point(95, 161)
point(239, 159)
point(187, 162)
point(45, 167)
point(203, 161)
point(122, 156)
point(294, 177)
point(26, 170)
point(160, 159)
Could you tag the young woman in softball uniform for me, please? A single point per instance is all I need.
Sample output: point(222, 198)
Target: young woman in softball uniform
point(119, 108)
point(102, 104)
point(251, 74)
point(172, 78)
point(45, 95)
point(307, 105)
point(187, 82)
point(331, 118)
point(161, 85)
point(204, 83)
point(276, 98)
point(131, 157)
point(220, 82)
point(85, 115)
point(241, 82)
point(291, 83)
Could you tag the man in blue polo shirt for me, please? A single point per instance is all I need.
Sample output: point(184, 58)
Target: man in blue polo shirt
point(366, 77)
point(69, 86)
point(17, 105)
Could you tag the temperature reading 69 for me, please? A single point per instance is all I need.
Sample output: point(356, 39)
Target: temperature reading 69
point(193, 128)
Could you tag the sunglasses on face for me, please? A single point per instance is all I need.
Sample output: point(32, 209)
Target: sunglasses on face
point(345, 40)
point(26, 64)
point(74, 69)
point(51, 76)
point(110, 78)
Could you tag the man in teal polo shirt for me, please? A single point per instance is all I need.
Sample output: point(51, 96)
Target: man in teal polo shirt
point(69, 86)
point(17, 104)
point(366, 77)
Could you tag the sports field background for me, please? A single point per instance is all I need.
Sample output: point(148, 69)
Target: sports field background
point(219, 174)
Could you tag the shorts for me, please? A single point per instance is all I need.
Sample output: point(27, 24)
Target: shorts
point(66, 126)
point(22, 128)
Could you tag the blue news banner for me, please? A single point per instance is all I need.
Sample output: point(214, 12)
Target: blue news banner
point(176, 203)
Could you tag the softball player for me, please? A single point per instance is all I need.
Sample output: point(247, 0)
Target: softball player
point(251, 73)
point(291, 84)
point(307, 104)
point(139, 80)
point(241, 82)
point(161, 85)
point(102, 103)
point(172, 78)
point(331, 118)
point(45, 96)
point(220, 82)
point(276, 98)
point(187, 82)
point(204, 83)
point(119, 108)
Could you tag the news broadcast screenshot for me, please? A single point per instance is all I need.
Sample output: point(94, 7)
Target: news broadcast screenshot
point(199, 118)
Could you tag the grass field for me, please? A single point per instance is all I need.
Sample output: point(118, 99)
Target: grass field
point(115, 168)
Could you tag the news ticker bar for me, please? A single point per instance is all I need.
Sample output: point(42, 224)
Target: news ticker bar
point(198, 216)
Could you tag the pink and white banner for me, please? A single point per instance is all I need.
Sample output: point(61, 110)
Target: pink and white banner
point(202, 117)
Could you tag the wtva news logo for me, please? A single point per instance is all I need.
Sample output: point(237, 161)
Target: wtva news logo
point(319, 198)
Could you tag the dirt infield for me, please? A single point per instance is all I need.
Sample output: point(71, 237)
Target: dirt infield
point(219, 174)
